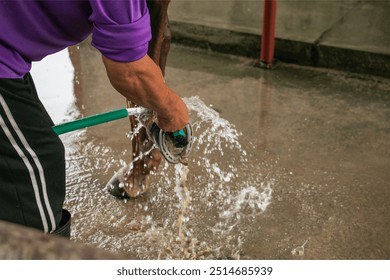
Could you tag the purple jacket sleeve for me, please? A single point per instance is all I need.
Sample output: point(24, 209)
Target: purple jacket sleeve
point(121, 29)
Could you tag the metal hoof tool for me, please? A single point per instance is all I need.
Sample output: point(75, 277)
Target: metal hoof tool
point(174, 146)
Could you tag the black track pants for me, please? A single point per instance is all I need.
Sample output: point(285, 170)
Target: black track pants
point(32, 160)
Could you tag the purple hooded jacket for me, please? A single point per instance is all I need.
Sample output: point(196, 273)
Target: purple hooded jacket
point(31, 30)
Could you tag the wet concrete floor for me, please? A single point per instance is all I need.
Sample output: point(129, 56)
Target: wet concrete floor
point(295, 166)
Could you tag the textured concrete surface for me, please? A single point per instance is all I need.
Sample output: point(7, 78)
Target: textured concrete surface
point(351, 35)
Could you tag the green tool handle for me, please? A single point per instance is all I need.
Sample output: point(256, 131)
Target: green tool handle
point(91, 121)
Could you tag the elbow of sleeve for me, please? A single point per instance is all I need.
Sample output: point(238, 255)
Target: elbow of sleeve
point(123, 42)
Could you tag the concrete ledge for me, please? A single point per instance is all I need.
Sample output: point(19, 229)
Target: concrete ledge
point(22, 243)
point(215, 39)
point(351, 60)
point(303, 53)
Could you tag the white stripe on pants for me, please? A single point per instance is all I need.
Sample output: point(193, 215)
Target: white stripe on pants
point(29, 166)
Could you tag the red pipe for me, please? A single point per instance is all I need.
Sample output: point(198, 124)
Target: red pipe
point(268, 35)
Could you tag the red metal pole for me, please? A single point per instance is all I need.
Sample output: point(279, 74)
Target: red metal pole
point(268, 35)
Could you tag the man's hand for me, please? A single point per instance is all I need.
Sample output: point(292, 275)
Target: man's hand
point(142, 82)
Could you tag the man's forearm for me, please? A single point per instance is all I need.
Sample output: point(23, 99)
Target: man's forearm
point(141, 82)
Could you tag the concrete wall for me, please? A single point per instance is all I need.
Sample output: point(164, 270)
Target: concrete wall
point(351, 35)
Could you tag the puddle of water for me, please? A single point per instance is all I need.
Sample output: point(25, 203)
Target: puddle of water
point(204, 217)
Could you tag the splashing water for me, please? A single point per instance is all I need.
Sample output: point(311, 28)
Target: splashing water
point(196, 213)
